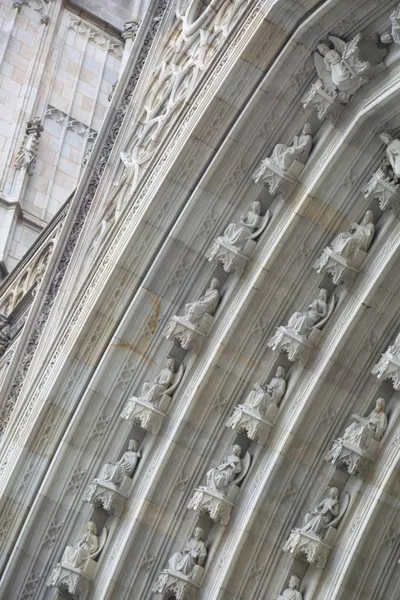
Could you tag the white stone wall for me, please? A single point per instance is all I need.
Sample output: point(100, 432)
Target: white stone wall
point(62, 72)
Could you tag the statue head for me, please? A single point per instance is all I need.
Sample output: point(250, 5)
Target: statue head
point(307, 129)
point(198, 533)
point(133, 445)
point(323, 294)
point(369, 216)
point(256, 207)
point(236, 449)
point(386, 138)
point(323, 49)
point(91, 527)
point(170, 363)
point(280, 372)
point(214, 285)
point(334, 493)
point(380, 405)
point(294, 582)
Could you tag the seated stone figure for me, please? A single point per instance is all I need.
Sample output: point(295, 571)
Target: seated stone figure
point(316, 521)
point(76, 555)
point(392, 155)
point(283, 156)
point(366, 428)
point(271, 393)
point(219, 478)
point(124, 467)
point(237, 234)
point(304, 322)
point(359, 237)
point(394, 350)
point(193, 554)
point(195, 311)
point(152, 392)
point(292, 592)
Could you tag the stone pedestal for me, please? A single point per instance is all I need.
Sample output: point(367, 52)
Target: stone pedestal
point(327, 105)
point(388, 368)
point(384, 190)
point(355, 459)
point(310, 548)
point(249, 421)
point(217, 506)
point(106, 495)
point(230, 257)
point(146, 415)
point(171, 584)
point(72, 581)
point(339, 269)
point(278, 181)
point(295, 346)
point(187, 335)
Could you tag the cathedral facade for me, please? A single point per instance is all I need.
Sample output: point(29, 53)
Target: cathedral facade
point(200, 305)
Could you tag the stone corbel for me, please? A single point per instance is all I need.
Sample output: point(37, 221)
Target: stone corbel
point(384, 190)
point(171, 584)
point(327, 105)
point(278, 181)
point(249, 422)
point(295, 346)
point(355, 459)
point(106, 495)
point(187, 335)
point(146, 415)
point(310, 548)
point(75, 582)
point(388, 369)
point(230, 257)
point(217, 506)
point(338, 268)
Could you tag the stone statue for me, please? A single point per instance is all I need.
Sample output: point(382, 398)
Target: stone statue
point(237, 234)
point(152, 392)
point(394, 350)
point(124, 467)
point(220, 477)
point(304, 322)
point(367, 428)
point(340, 70)
point(317, 520)
point(394, 35)
point(284, 156)
point(292, 592)
point(359, 237)
point(27, 153)
point(194, 311)
point(76, 555)
point(194, 553)
point(272, 392)
point(392, 154)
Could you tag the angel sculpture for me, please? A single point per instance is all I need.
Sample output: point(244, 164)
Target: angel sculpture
point(230, 471)
point(283, 156)
point(88, 547)
point(317, 520)
point(339, 67)
point(165, 383)
point(391, 164)
point(316, 314)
